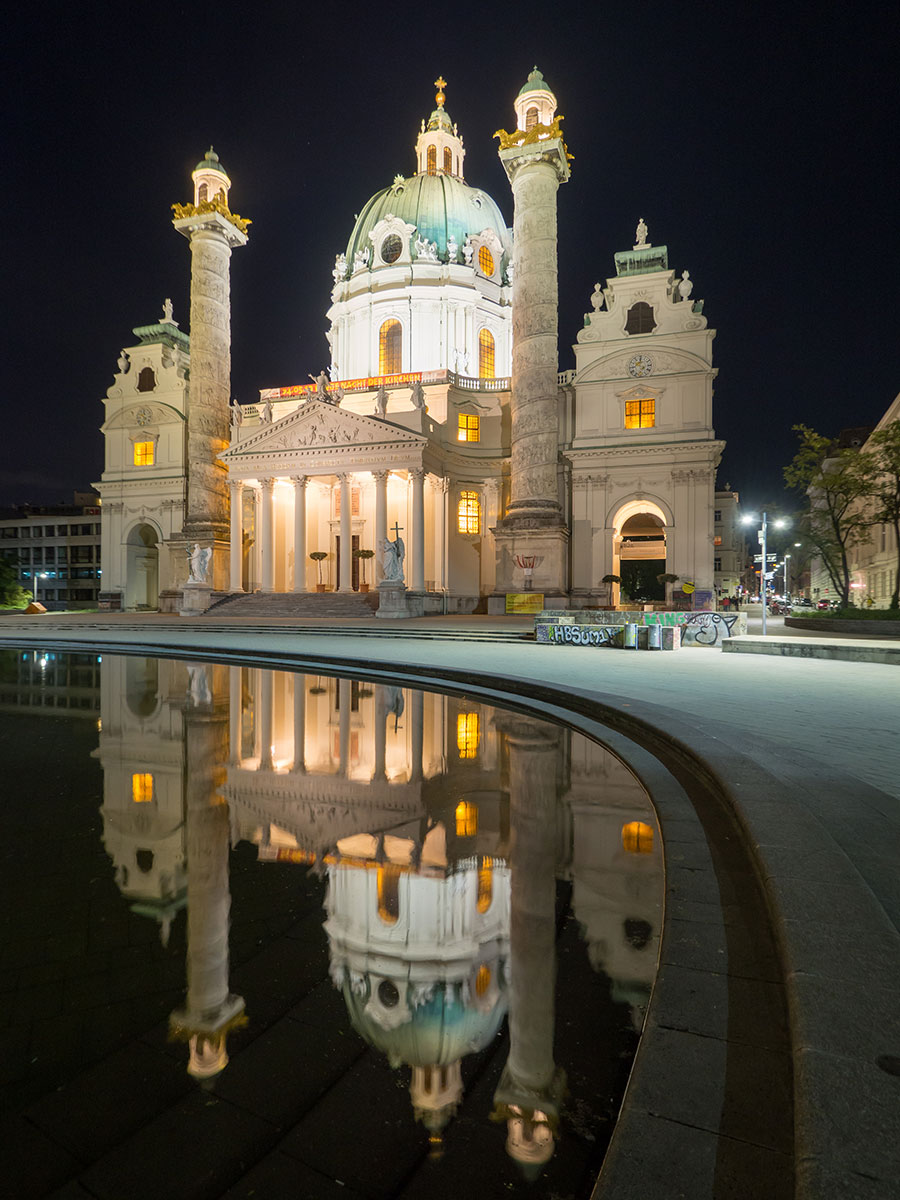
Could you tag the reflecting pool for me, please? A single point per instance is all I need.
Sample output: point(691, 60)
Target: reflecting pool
point(271, 934)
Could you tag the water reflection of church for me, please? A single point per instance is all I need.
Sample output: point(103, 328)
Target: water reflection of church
point(442, 825)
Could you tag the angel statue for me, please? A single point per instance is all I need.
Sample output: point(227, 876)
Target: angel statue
point(199, 561)
point(392, 556)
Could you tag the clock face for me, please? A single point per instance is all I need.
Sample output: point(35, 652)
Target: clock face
point(640, 366)
point(144, 416)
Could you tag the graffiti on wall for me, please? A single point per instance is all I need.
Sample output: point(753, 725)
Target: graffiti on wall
point(706, 628)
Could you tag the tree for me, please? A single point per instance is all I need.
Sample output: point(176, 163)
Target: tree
point(880, 464)
point(12, 595)
point(837, 516)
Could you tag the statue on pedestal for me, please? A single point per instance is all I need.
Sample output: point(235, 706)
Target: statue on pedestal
point(640, 235)
point(199, 559)
point(392, 556)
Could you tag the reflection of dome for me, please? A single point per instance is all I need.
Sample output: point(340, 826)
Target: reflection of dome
point(437, 205)
point(440, 1030)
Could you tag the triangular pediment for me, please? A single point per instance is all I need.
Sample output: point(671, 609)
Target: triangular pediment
point(318, 426)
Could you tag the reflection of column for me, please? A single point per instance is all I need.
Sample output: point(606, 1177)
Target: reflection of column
point(531, 1086)
point(299, 533)
point(234, 714)
point(267, 536)
point(299, 764)
point(380, 731)
point(210, 1009)
point(237, 536)
point(416, 727)
point(266, 697)
point(381, 478)
point(344, 693)
point(417, 581)
point(346, 537)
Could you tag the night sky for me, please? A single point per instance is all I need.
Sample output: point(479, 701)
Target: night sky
point(758, 142)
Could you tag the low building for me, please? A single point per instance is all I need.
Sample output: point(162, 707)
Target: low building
point(729, 543)
point(56, 549)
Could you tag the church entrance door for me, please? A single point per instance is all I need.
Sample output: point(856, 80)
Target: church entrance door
point(142, 569)
point(354, 571)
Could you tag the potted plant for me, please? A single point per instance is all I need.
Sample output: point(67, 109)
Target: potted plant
point(317, 556)
point(363, 555)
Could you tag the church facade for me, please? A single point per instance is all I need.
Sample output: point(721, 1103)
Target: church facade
point(435, 426)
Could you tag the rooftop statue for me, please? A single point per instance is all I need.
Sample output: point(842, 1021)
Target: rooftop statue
point(381, 401)
point(640, 235)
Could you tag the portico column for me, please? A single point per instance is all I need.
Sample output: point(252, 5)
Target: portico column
point(344, 694)
point(236, 487)
point(267, 535)
point(418, 529)
point(266, 686)
point(234, 714)
point(381, 478)
point(299, 482)
point(346, 537)
point(298, 766)
point(416, 733)
point(380, 731)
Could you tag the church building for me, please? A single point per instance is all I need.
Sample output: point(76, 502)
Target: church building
point(444, 444)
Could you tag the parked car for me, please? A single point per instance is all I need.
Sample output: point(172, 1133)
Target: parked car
point(827, 605)
point(803, 602)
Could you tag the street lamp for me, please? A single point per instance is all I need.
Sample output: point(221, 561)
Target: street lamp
point(779, 524)
point(786, 584)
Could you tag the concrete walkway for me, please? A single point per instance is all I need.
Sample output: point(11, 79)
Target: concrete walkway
point(776, 779)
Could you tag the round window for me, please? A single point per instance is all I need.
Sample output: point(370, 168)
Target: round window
point(388, 994)
point(391, 248)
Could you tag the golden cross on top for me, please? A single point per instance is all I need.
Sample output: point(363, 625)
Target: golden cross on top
point(440, 83)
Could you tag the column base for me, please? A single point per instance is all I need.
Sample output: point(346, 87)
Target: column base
point(392, 601)
point(550, 546)
point(195, 598)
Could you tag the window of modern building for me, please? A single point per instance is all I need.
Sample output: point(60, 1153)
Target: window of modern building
point(48, 530)
point(467, 734)
point(62, 531)
point(717, 564)
point(531, 117)
point(637, 837)
point(448, 161)
point(717, 540)
point(146, 380)
point(468, 514)
point(466, 819)
point(485, 354)
point(50, 554)
point(469, 428)
point(640, 414)
point(431, 160)
point(143, 455)
point(36, 531)
point(640, 318)
point(390, 348)
point(141, 788)
point(717, 515)
point(485, 261)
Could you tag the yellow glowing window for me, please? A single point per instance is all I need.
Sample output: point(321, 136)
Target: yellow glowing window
point(531, 118)
point(448, 161)
point(389, 893)
point(141, 788)
point(469, 428)
point(485, 887)
point(485, 261)
point(390, 348)
point(202, 192)
point(485, 354)
point(467, 734)
point(431, 160)
point(482, 980)
point(640, 414)
point(637, 838)
point(143, 454)
point(466, 819)
point(468, 517)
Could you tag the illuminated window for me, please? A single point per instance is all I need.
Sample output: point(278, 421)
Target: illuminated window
point(448, 161)
point(466, 819)
point(389, 893)
point(637, 838)
point(469, 428)
point(485, 261)
point(640, 318)
point(431, 160)
point(142, 788)
point(485, 354)
point(531, 118)
point(468, 516)
point(143, 454)
point(467, 734)
point(390, 348)
point(717, 541)
point(391, 248)
point(354, 501)
point(640, 414)
point(482, 980)
point(146, 380)
point(485, 887)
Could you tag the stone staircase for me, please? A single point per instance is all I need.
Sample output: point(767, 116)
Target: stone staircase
point(361, 605)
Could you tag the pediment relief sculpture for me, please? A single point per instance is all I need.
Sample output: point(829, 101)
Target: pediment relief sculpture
point(317, 424)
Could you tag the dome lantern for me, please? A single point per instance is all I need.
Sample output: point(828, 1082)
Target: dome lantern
point(439, 148)
point(535, 103)
point(210, 179)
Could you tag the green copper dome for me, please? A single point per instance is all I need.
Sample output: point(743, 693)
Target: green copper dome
point(535, 83)
point(438, 206)
point(211, 163)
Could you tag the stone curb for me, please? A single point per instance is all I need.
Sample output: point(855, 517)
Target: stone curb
point(835, 649)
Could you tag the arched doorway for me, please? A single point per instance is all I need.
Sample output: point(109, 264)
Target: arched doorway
point(142, 569)
point(639, 552)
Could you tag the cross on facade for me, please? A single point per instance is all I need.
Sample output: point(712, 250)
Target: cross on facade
point(397, 529)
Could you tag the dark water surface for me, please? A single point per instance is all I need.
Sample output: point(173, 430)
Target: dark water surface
point(265, 934)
